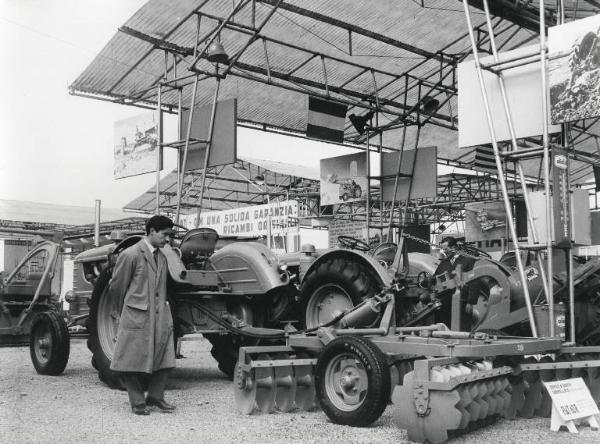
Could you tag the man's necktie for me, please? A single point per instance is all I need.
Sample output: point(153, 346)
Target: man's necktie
point(155, 254)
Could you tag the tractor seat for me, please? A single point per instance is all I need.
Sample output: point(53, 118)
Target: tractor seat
point(198, 243)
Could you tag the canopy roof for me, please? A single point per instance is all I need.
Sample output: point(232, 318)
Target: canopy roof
point(230, 186)
point(386, 55)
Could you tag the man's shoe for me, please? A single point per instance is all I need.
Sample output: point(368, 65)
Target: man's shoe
point(141, 409)
point(160, 403)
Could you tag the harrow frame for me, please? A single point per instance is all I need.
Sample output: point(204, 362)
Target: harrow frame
point(416, 356)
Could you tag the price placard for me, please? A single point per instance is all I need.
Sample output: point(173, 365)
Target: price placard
point(572, 399)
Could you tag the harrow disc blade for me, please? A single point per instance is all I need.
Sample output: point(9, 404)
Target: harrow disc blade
point(593, 374)
point(443, 416)
point(244, 390)
point(491, 398)
point(533, 393)
point(465, 400)
point(545, 407)
point(285, 391)
point(481, 399)
point(517, 387)
point(504, 394)
point(305, 387)
point(265, 387)
point(533, 399)
point(474, 407)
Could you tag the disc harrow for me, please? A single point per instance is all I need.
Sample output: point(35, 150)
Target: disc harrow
point(531, 398)
point(451, 397)
point(274, 378)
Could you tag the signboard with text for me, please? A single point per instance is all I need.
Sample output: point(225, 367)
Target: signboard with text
point(258, 220)
point(572, 403)
point(561, 198)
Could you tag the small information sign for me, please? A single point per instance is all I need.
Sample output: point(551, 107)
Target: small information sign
point(571, 401)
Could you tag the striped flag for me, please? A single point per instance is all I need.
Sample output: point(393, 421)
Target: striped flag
point(325, 120)
point(484, 159)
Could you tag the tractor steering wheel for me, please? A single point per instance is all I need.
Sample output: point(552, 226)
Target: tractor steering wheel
point(353, 243)
point(473, 251)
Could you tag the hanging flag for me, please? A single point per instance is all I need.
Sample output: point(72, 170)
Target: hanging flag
point(325, 120)
point(597, 177)
point(484, 159)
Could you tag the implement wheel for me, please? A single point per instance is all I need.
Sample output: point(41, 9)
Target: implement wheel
point(49, 344)
point(352, 381)
point(102, 326)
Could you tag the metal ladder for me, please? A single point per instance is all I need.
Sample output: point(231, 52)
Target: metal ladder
point(547, 275)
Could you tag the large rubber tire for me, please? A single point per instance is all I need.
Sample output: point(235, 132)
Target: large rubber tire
point(226, 348)
point(99, 341)
point(335, 285)
point(49, 343)
point(352, 381)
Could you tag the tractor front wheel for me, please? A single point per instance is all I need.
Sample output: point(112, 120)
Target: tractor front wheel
point(49, 344)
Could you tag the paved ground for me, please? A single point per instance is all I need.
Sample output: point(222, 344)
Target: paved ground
point(77, 408)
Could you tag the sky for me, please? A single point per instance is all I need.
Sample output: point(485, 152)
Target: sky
point(57, 148)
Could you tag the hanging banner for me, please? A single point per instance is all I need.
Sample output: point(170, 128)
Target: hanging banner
point(343, 179)
point(561, 198)
point(136, 142)
point(258, 220)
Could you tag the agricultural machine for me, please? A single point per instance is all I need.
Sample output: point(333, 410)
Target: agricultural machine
point(30, 311)
point(375, 329)
point(227, 295)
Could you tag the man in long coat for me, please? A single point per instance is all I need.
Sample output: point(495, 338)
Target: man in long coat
point(145, 335)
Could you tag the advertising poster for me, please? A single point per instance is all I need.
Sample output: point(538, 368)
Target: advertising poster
point(574, 70)
point(257, 220)
point(485, 221)
point(136, 142)
point(343, 179)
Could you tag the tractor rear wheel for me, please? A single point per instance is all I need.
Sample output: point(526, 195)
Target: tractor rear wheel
point(102, 325)
point(352, 381)
point(334, 286)
point(49, 343)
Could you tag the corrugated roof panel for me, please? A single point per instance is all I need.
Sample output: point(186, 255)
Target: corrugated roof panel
point(430, 29)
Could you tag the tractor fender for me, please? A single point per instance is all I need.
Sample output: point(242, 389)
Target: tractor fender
point(352, 255)
point(248, 268)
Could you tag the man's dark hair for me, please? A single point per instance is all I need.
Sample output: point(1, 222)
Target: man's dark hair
point(450, 240)
point(158, 222)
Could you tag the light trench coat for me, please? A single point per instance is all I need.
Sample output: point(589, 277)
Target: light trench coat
point(145, 333)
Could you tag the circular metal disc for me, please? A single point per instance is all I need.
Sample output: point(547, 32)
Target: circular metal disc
point(305, 388)
point(465, 400)
point(474, 407)
point(265, 387)
point(285, 391)
point(244, 391)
